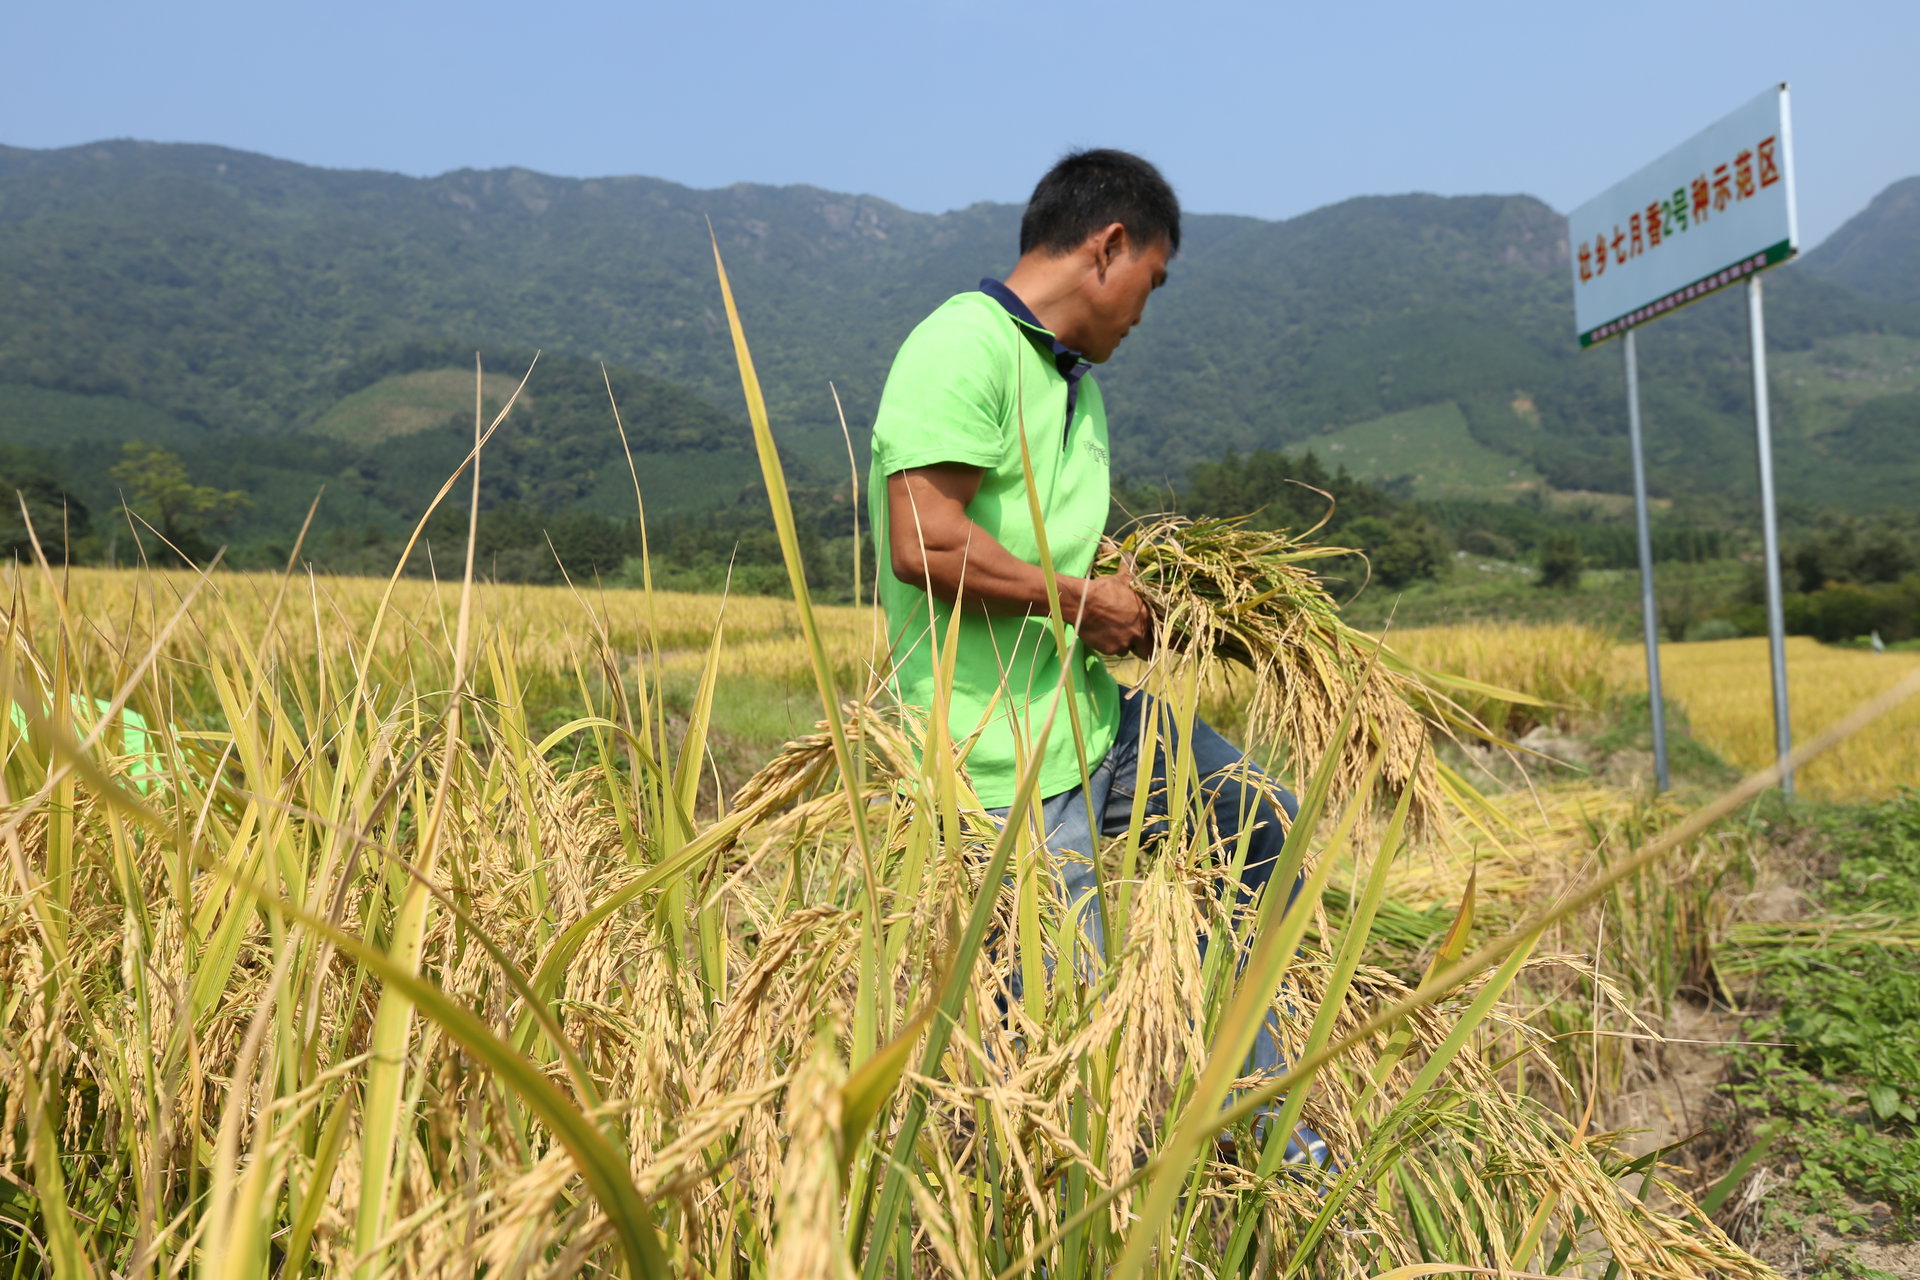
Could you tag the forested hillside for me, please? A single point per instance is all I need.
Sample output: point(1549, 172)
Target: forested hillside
point(221, 297)
point(558, 450)
point(1877, 251)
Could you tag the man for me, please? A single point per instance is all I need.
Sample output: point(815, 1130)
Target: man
point(994, 383)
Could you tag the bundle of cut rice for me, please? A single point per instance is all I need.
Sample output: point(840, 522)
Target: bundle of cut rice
point(1222, 591)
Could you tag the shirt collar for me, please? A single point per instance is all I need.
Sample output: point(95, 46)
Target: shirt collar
point(1065, 358)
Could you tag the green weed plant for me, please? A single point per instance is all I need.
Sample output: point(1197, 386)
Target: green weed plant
point(1834, 1064)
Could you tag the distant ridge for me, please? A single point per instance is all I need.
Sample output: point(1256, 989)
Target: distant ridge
point(250, 295)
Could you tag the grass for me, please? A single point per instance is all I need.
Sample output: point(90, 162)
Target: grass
point(359, 970)
point(1433, 447)
point(404, 403)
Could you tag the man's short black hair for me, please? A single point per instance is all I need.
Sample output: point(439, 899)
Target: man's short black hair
point(1088, 190)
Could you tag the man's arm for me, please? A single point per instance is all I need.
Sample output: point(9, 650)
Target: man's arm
point(934, 544)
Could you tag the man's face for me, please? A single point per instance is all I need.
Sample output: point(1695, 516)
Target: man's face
point(1118, 299)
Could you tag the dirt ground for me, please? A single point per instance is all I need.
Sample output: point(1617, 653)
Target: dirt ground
point(1800, 1257)
point(1677, 1098)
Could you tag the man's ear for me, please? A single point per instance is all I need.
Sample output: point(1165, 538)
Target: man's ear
point(1109, 246)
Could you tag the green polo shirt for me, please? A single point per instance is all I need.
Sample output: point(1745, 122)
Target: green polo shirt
point(964, 383)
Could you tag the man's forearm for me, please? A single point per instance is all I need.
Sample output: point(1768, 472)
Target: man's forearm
point(982, 576)
point(935, 545)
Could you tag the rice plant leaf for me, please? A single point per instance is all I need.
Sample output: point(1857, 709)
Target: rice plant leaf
point(70, 1258)
point(584, 723)
point(367, 664)
point(602, 1165)
point(1452, 947)
point(1056, 618)
point(387, 1102)
point(1465, 684)
point(1276, 942)
point(236, 1247)
point(1735, 1174)
point(546, 979)
point(693, 748)
point(333, 1138)
point(1469, 1022)
point(866, 1091)
point(773, 473)
point(384, 1127)
point(1537, 1225)
point(1346, 964)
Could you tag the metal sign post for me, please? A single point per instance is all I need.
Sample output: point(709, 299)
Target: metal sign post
point(1713, 212)
point(1769, 533)
point(1650, 623)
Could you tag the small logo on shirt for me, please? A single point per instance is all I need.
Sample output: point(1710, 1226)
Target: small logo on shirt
point(1098, 450)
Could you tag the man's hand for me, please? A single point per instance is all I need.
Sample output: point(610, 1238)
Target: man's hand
point(1113, 619)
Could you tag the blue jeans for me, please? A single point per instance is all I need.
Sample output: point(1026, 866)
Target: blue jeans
point(1233, 808)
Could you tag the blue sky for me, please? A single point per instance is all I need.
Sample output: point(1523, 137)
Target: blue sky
point(1269, 110)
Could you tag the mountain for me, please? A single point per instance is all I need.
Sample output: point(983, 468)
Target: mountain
point(1422, 338)
point(1877, 251)
point(247, 293)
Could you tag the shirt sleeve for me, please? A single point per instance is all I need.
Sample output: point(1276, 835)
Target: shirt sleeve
point(945, 395)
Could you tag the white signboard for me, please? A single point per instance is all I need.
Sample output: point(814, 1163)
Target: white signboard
point(1712, 211)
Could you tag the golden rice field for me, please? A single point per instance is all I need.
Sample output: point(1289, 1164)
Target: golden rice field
point(349, 969)
point(1722, 686)
point(549, 627)
point(1725, 687)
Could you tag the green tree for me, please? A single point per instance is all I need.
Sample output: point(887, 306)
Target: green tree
point(35, 506)
point(156, 489)
point(1401, 549)
point(1560, 562)
point(1845, 549)
point(1280, 491)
